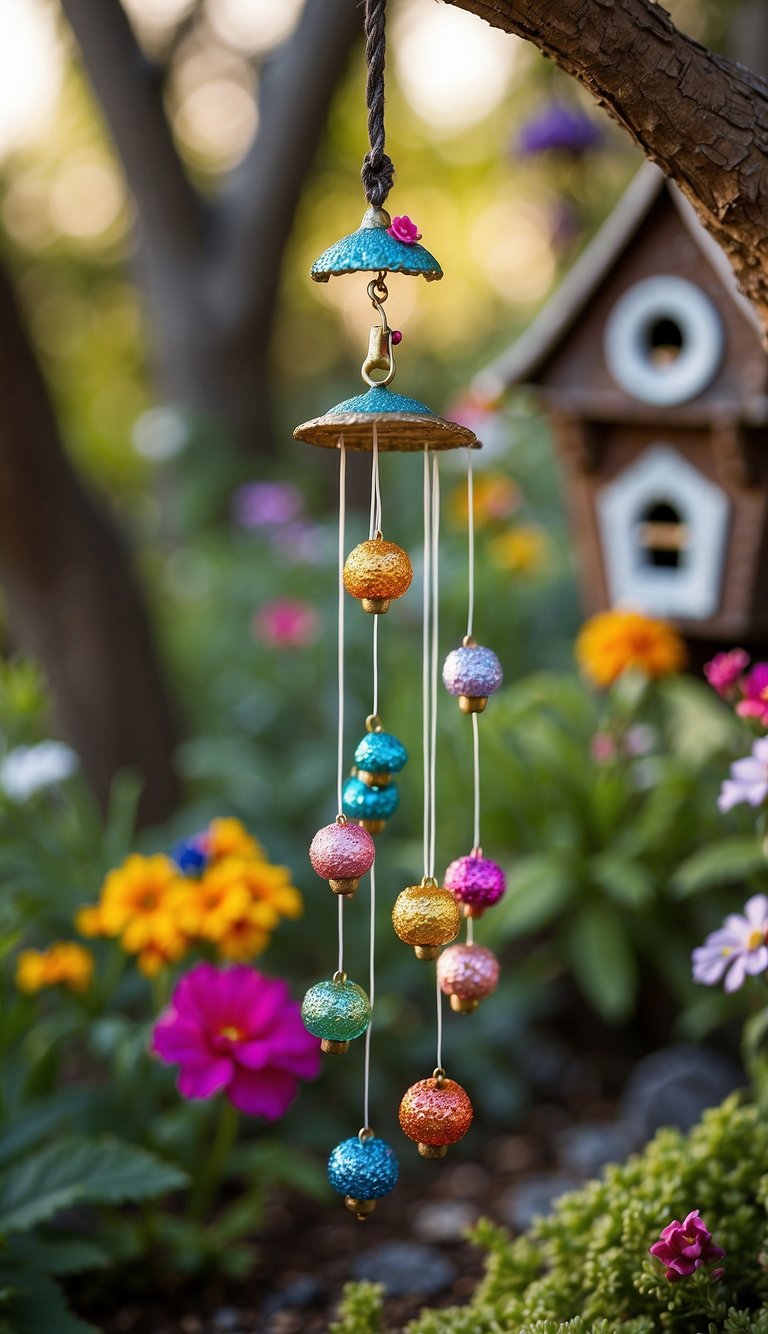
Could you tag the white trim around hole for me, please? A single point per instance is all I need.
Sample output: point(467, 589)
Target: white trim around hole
point(627, 340)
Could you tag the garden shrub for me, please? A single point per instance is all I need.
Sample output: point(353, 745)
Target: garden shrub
point(585, 1269)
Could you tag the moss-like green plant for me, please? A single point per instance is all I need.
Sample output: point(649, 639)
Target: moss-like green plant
point(585, 1269)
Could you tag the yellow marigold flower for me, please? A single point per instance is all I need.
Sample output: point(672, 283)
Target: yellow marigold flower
point(496, 497)
point(613, 641)
point(88, 921)
point(137, 890)
point(206, 908)
point(524, 549)
point(64, 963)
point(229, 837)
point(272, 885)
point(156, 954)
point(245, 936)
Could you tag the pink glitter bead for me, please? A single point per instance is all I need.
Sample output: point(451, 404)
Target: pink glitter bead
point(342, 851)
point(476, 881)
point(470, 972)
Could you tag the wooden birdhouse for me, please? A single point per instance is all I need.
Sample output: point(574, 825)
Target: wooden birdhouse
point(653, 375)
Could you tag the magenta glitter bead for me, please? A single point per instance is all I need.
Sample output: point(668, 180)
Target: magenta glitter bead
point(476, 881)
point(470, 972)
point(472, 670)
point(342, 851)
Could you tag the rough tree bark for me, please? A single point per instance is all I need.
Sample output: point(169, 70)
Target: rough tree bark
point(701, 117)
point(210, 269)
point(71, 598)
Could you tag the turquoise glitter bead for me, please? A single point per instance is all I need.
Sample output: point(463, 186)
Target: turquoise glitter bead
point(380, 753)
point(366, 1171)
point(336, 1011)
point(361, 802)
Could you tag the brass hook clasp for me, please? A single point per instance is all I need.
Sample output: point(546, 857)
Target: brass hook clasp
point(380, 357)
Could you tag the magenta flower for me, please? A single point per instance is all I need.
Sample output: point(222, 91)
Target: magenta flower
point(685, 1247)
point(603, 747)
point(286, 623)
point(738, 949)
point(725, 669)
point(749, 779)
point(234, 1031)
point(754, 688)
point(404, 230)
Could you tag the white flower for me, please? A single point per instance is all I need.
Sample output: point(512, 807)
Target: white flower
point(28, 769)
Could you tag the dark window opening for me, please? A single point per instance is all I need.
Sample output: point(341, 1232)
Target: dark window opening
point(665, 342)
point(662, 535)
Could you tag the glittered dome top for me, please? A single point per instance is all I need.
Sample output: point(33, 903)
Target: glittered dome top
point(402, 424)
point(381, 753)
point(372, 249)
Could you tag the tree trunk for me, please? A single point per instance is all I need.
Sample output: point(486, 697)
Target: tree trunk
point(71, 598)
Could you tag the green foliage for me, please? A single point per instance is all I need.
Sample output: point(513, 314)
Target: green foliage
point(360, 1309)
point(585, 1268)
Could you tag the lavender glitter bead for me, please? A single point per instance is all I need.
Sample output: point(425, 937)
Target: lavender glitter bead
point(472, 671)
point(476, 881)
point(342, 851)
point(470, 972)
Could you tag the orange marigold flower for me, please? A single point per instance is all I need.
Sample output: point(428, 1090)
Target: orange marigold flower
point(496, 497)
point(205, 908)
point(613, 641)
point(64, 963)
point(137, 891)
point(88, 921)
point(229, 837)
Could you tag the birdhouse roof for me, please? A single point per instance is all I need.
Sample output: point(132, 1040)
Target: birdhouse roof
point(525, 359)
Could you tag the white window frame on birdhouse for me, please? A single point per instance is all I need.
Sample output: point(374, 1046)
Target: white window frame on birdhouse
point(690, 589)
point(628, 340)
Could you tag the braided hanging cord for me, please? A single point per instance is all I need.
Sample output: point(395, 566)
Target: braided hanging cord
point(378, 170)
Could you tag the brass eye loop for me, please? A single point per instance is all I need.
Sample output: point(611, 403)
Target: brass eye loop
point(438, 1074)
point(339, 976)
point(373, 723)
point(365, 1134)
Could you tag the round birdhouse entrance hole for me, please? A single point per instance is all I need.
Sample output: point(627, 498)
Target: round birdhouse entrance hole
point(665, 341)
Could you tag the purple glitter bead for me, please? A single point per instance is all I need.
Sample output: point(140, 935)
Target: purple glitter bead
point(474, 672)
point(476, 881)
point(342, 851)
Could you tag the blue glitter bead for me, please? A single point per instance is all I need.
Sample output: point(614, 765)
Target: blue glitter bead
point(363, 1171)
point(361, 802)
point(336, 1011)
point(380, 753)
point(472, 671)
point(189, 857)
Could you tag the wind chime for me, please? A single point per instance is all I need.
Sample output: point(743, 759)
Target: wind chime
point(434, 1112)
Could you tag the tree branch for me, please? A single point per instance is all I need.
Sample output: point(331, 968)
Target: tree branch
point(296, 87)
point(700, 116)
point(130, 90)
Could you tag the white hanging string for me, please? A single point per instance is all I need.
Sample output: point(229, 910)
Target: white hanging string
point(470, 541)
point(425, 681)
point(435, 609)
point(371, 997)
point(375, 526)
point(439, 1061)
point(340, 745)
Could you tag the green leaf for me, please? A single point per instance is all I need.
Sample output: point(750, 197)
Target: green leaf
point(627, 882)
point(97, 1171)
point(55, 1255)
point(602, 961)
point(538, 888)
point(37, 1305)
point(727, 862)
point(40, 1118)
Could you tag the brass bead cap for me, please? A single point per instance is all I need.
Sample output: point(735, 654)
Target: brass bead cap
point(473, 703)
point(346, 888)
point(362, 1209)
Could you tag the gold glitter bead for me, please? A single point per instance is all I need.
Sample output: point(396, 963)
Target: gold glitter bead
point(426, 916)
point(377, 571)
point(435, 1112)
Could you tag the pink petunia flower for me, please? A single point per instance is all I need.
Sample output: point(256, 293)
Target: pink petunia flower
point(725, 669)
point(749, 779)
point(738, 949)
point(754, 688)
point(237, 1032)
point(266, 504)
point(286, 623)
point(685, 1247)
point(404, 230)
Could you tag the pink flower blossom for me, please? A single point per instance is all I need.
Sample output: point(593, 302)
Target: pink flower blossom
point(232, 1030)
point(754, 688)
point(602, 747)
point(725, 669)
point(286, 623)
point(684, 1247)
point(266, 504)
point(738, 949)
point(404, 230)
point(749, 779)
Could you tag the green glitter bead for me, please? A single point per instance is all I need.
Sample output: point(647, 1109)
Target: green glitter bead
point(336, 1011)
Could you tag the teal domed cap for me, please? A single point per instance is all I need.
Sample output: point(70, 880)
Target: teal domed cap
point(403, 425)
point(371, 249)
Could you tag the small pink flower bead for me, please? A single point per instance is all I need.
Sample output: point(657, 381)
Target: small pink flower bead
point(403, 229)
point(341, 854)
point(476, 881)
point(467, 973)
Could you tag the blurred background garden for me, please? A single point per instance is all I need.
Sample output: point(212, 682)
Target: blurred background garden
point(168, 638)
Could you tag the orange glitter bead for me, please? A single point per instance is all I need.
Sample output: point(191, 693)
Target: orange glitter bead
point(435, 1112)
point(377, 571)
point(426, 916)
